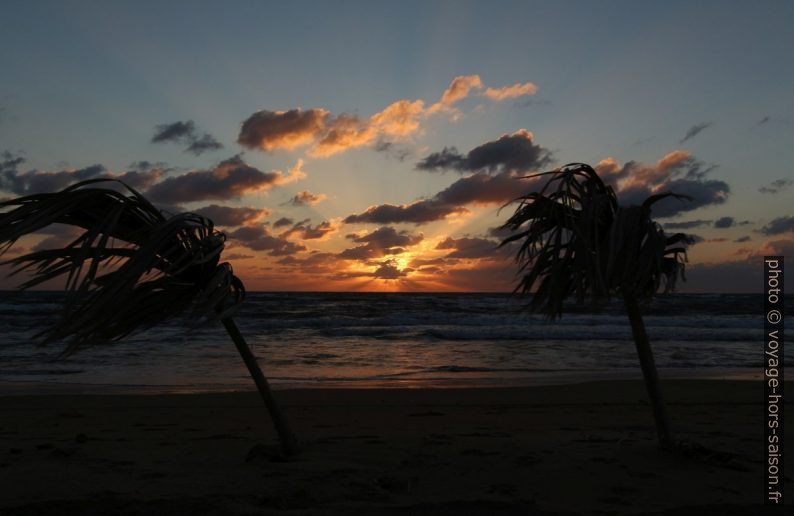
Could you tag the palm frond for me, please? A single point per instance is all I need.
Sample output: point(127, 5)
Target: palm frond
point(576, 240)
point(130, 268)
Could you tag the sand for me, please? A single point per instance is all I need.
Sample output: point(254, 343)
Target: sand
point(586, 448)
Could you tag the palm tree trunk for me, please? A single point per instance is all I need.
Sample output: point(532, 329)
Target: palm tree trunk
point(649, 372)
point(288, 442)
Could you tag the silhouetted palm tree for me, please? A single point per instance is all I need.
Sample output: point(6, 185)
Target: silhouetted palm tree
point(576, 240)
point(130, 268)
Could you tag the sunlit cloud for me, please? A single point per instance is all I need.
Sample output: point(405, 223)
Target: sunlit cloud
point(511, 92)
point(306, 198)
point(678, 172)
point(230, 179)
point(327, 135)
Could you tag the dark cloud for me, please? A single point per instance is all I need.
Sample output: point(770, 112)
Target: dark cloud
point(205, 142)
point(306, 231)
point(729, 222)
point(231, 179)
point(389, 271)
point(270, 130)
point(283, 221)
point(694, 131)
point(306, 198)
point(724, 222)
point(385, 237)
point(471, 248)
point(779, 226)
point(185, 133)
point(393, 150)
point(231, 215)
point(173, 132)
point(381, 242)
point(702, 193)
point(34, 181)
point(479, 188)
point(260, 239)
point(513, 152)
point(677, 172)
point(776, 186)
point(419, 212)
point(743, 239)
point(686, 224)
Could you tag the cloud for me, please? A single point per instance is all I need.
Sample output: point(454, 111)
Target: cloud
point(479, 188)
point(779, 226)
point(458, 89)
point(694, 131)
point(686, 224)
point(471, 248)
point(397, 121)
point(306, 231)
point(388, 270)
point(678, 172)
point(380, 242)
point(283, 221)
point(418, 212)
point(271, 130)
point(185, 133)
point(230, 179)
point(776, 186)
point(766, 119)
point(34, 181)
point(230, 215)
point(724, 222)
point(258, 238)
point(743, 239)
point(510, 92)
point(515, 151)
point(306, 198)
point(328, 135)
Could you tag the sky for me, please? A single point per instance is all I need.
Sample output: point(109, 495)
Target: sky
point(369, 146)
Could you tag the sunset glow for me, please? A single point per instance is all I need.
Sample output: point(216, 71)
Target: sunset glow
point(379, 162)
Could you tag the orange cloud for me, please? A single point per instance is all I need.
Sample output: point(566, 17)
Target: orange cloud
point(270, 130)
point(458, 89)
point(510, 92)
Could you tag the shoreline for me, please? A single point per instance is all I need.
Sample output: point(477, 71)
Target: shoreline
point(463, 381)
point(570, 449)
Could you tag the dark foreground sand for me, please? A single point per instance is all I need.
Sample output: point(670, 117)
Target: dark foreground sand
point(585, 448)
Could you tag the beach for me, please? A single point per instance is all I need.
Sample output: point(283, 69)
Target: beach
point(584, 448)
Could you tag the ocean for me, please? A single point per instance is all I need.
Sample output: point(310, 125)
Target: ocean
point(392, 340)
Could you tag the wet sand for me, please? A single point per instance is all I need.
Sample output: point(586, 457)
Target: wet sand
point(587, 448)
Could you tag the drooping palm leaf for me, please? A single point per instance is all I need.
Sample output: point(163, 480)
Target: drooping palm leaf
point(130, 268)
point(576, 240)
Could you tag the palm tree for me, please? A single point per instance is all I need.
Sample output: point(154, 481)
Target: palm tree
point(576, 240)
point(131, 268)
